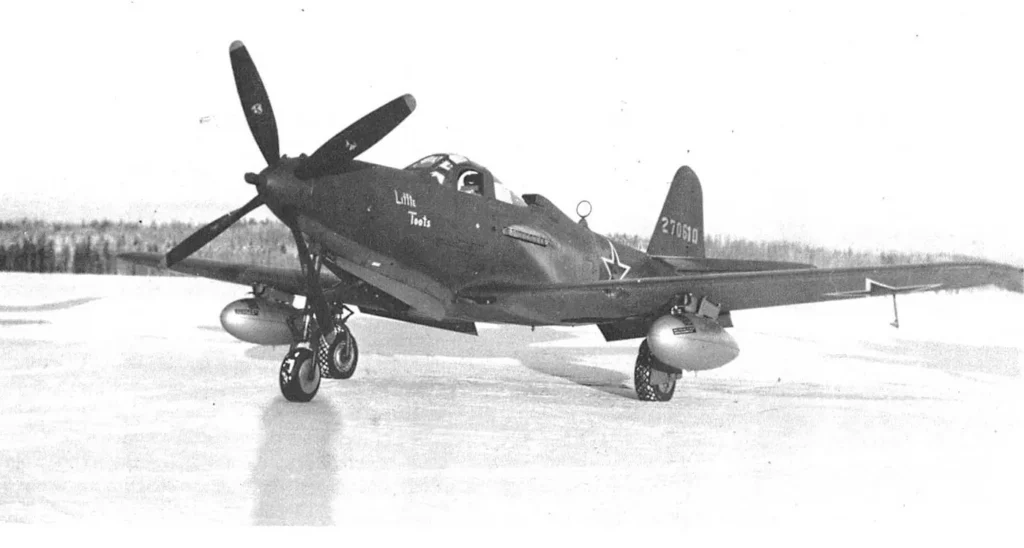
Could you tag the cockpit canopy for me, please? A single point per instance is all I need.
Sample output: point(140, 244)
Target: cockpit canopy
point(464, 175)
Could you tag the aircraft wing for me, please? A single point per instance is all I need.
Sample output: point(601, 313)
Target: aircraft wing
point(285, 279)
point(637, 300)
point(338, 285)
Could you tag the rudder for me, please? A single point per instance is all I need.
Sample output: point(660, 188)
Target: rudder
point(679, 231)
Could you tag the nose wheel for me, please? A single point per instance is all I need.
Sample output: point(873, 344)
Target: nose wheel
point(337, 356)
point(300, 377)
point(302, 368)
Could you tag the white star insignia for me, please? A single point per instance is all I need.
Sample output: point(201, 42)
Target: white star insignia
point(616, 270)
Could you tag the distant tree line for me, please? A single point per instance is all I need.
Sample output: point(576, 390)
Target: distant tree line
point(92, 247)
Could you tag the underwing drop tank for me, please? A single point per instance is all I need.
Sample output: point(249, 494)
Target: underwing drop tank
point(691, 342)
point(260, 321)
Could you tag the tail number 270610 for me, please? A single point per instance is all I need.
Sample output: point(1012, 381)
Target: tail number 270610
point(682, 231)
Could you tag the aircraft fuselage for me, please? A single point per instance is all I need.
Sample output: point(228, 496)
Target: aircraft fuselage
point(405, 227)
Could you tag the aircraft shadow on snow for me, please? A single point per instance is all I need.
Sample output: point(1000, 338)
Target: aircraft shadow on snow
point(395, 339)
point(388, 338)
point(23, 322)
point(48, 307)
point(294, 477)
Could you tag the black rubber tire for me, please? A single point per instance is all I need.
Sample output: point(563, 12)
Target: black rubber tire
point(342, 361)
point(645, 391)
point(300, 377)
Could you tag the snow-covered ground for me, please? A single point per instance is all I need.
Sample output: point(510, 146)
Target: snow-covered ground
point(124, 402)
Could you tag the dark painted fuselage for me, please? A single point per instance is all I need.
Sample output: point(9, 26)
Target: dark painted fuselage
point(426, 236)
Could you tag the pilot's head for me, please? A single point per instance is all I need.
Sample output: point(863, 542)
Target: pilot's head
point(472, 182)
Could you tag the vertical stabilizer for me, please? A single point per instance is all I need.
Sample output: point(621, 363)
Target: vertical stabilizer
point(679, 231)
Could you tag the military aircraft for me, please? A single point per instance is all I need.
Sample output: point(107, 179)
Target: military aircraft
point(443, 243)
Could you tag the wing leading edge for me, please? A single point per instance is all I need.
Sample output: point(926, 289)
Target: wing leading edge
point(285, 279)
point(338, 285)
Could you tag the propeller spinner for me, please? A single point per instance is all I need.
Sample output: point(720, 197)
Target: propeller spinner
point(332, 157)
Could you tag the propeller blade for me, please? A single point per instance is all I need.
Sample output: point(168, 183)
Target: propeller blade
point(255, 103)
point(334, 155)
point(203, 236)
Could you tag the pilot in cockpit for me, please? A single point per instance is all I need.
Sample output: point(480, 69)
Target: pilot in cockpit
point(471, 182)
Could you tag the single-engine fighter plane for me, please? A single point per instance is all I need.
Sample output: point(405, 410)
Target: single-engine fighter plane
point(443, 243)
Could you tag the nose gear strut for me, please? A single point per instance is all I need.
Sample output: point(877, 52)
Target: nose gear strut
point(326, 347)
point(315, 300)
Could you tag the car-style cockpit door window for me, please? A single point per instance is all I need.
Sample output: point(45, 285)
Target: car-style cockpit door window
point(471, 182)
point(503, 194)
point(455, 170)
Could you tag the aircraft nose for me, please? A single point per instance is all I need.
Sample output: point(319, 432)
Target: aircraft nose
point(282, 188)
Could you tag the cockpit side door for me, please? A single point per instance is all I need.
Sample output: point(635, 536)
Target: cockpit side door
point(473, 180)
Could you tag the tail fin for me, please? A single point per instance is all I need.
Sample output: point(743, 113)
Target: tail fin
point(679, 231)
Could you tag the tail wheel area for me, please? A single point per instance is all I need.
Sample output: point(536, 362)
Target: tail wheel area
point(651, 385)
point(300, 376)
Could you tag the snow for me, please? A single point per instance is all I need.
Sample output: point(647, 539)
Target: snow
point(124, 403)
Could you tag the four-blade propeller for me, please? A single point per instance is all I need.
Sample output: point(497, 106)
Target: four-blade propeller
point(331, 158)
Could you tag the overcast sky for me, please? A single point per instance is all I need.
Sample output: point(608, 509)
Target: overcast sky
point(873, 126)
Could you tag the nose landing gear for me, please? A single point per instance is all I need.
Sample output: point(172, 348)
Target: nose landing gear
point(326, 347)
point(338, 354)
point(331, 356)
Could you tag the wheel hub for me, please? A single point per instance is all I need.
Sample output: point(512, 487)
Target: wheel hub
point(308, 374)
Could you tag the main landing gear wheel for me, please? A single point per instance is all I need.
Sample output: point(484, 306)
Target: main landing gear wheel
point(344, 355)
point(300, 377)
point(645, 389)
point(338, 359)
